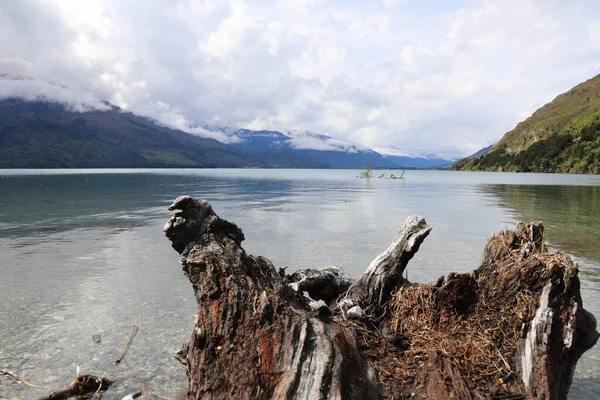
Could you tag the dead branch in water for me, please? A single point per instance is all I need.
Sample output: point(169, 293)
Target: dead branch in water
point(86, 384)
point(22, 381)
point(133, 333)
point(81, 385)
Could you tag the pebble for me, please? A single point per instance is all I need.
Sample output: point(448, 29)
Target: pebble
point(355, 313)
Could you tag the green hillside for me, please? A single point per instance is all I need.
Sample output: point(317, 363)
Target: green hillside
point(47, 135)
point(562, 136)
point(42, 134)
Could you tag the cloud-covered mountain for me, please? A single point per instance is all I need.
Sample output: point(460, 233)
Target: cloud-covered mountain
point(48, 125)
point(306, 140)
point(366, 72)
point(26, 88)
point(321, 150)
point(42, 134)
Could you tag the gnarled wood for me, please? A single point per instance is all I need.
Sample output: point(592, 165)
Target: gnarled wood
point(515, 328)
point(253, 337)
point(326, 284)
point(560, 330)
point(384, 275)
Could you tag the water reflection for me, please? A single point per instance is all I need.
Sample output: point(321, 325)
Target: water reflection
point(571, 215)
point(83, 253)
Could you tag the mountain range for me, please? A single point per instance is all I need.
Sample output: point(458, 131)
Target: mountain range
point(561, 136)
point(39, 132)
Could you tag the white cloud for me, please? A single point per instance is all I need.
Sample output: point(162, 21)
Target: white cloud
point(310, 143)
point(414, 77)
point(391, 152)
point(342, 145)
point(33, 90)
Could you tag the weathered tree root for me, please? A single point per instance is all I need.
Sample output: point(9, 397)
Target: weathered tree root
point(515, 328)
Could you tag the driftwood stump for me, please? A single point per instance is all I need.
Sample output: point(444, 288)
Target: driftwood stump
point(514, 328)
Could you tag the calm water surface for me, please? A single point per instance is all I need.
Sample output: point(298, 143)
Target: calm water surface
point(82, 252)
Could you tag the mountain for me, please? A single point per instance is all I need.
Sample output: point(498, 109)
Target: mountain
point(318, 151)
point(44, 125)
point(561, 136)
point(481, 152)
point(40, 134)
point(417, 162)
point(322, 150)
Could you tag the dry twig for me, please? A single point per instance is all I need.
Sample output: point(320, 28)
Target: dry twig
point(133, 333)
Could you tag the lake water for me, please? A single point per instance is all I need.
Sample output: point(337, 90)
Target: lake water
point(82, 252)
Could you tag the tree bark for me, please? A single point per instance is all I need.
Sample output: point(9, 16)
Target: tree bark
point(384, 275)
point(254, 337)
point(515, 328)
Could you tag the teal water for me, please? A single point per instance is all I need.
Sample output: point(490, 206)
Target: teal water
point(82, 252)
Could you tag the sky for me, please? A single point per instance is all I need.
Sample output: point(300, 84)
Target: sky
point(403, 77)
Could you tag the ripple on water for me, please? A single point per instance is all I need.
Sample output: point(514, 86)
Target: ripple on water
point(90, 258)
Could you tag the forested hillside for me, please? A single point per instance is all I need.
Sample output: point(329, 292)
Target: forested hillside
point(562, 136)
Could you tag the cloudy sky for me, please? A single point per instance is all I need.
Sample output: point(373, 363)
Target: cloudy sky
point(418, 76)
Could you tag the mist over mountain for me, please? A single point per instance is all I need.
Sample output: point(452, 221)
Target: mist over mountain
point(45, 125)
point(41, 134)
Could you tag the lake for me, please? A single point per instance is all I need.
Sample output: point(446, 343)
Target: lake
point(82, 252)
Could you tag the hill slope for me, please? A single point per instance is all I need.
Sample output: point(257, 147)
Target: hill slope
point(41, 134)
point(47, 135)
point(481, 152)
point(279, 147)
point(46, 125)
point(562, 136)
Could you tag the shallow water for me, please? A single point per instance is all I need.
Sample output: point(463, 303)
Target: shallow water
point(82, 252)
